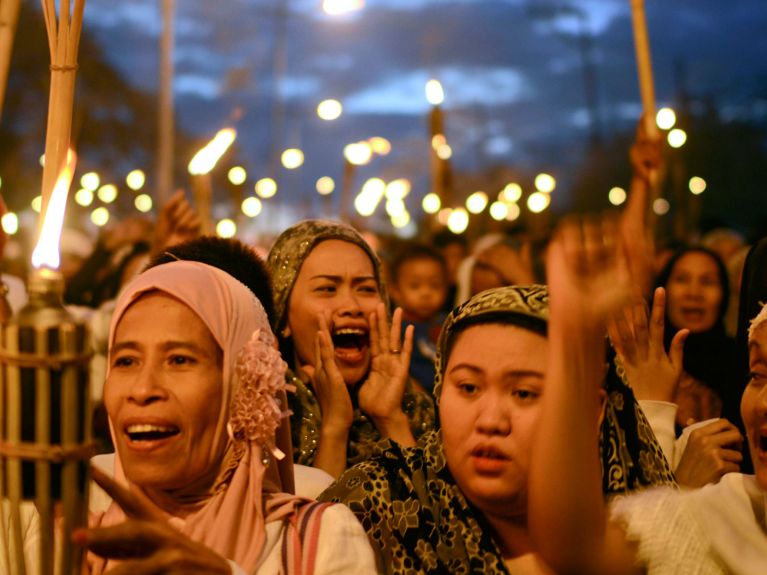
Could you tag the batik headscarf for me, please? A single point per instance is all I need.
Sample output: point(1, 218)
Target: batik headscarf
point(294, 245)
point(285, 259)
point(251, 428)
point(416, 516)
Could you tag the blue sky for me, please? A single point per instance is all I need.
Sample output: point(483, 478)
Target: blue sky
point(512, 73)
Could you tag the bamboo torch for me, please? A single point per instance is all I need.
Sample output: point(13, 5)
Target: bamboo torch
point(45, 412)
point(63, 43)
point(199, 169)
point(9, 17)
point(644, 66)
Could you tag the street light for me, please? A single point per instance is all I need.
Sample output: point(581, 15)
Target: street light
point(237, 175)
point(226, 228)
point(329, 110)
point(338, 7)
point(90, 181)
point(266, 188)
point(107, 193)
point(251, 207)
point(292, 158)
point(84, 197)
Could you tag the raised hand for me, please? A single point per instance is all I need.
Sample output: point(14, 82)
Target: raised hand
point(588, 276)
point(652, 373)
point(712, 450)
point(380, 396)
point(144, 543)
point(335, 403)
point(177, 222)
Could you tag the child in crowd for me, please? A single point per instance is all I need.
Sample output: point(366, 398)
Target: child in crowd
point(418, 284)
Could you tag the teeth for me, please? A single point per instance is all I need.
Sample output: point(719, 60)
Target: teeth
point(489, 454)
point(349, 331)
point(148, 428)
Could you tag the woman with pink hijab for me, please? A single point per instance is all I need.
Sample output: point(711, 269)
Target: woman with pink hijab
point(195, 393)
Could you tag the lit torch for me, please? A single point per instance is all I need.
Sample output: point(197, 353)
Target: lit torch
point(200, 167)
point(45, 411)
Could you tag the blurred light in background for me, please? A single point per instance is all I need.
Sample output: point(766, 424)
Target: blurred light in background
point(325, 185)
point(514, 212)
point(226, 228)
point(358, 153)
point(380, 146)
point(458, 221)
point(266, 188)
point(538, 202)
point(90, 181)
point(661, 206)
point(135, 180)
point(329, 110)
point(100, 216)
point(616, 196)
point(292, 158)
point(107, 193)
point(10, 223)
point(435, 95)
point(665, 118)
point(444, 215)
point(511, 193)
point(251, 207)
point(338, 7)
point(237, 175)
point(143, 203)
point(697, 185)
point(499, 211)
point(84, 197)
point(398, 188)
point(545, 183)
point(37, 203)
point(677, 138)
point(476, 202)
point(431, 203)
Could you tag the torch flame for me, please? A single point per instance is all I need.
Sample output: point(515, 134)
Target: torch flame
point(46, 253)
point(205, 160)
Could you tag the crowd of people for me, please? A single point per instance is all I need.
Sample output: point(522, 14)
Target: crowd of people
point(587, 406)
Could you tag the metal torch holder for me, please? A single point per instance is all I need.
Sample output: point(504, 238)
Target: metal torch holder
point(45, 430)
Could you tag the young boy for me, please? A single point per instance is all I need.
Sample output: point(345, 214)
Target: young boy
point(419, 284)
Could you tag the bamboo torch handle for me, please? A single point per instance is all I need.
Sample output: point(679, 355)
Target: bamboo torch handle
point(644, 65)
point(9, 16)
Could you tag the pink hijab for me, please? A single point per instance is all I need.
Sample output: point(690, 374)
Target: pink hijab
point(230, 518)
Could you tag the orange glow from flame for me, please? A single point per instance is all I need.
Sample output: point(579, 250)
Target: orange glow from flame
point(205, 160)
point(46, 253)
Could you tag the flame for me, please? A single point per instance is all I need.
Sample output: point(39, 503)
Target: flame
point(205, 160)
point(46, 253)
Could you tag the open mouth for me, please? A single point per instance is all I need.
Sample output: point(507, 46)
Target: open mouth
point(349, 343)
point(763, 443)
point(149, 432)
point(488, 454)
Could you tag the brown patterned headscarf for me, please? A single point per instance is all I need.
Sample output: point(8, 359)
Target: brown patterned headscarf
point(294, 245)
point(631, 456)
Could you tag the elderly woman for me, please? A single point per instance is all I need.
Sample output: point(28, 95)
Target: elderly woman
point(457, 502)
point(350, 366)
point(196, 403)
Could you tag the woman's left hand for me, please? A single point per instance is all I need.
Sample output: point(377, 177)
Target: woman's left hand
point(380, 396)
point(144, 544)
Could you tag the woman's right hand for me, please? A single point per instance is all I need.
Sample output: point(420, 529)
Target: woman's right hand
point(712, 451)
point(328, 383)
point(145, 544)
point(335, 403)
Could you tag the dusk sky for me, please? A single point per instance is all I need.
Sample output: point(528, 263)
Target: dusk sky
point(511, 69)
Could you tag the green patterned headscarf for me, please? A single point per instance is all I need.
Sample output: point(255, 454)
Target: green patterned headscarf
point(631, 455)
point(294, 245)
point(525, 306)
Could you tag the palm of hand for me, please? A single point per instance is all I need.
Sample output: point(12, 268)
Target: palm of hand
point(381, 393)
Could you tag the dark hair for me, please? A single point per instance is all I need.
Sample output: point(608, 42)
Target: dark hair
point(445, 237)
point(724, 284)
point(229, 255)
point(414, 251)
point(529, 323)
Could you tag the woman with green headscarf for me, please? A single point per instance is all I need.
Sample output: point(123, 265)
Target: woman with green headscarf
point(349, 362)
point(457, 502)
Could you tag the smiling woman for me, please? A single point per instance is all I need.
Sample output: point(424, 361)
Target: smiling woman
point(195, 394)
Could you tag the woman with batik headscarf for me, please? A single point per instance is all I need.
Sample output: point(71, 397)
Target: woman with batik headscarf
point(349, 362)
point(457, 502)
point(195, 394)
